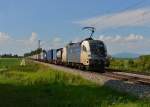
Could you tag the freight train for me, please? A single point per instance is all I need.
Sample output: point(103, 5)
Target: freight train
point(88, 54)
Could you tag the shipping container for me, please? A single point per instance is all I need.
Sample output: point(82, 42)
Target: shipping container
point(59, 55)
point(43, 56)
point(54, 55)
point(49, 55)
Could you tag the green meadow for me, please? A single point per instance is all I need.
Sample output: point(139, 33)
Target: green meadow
point(35, 85)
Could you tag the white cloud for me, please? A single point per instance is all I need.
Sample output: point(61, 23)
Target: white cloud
point(138, 17)
point(4, 37)
point(78, 39)
point(56, 39)
point(33, 37)
point(117, 43)
point(32, 40)
point(130, 43)
point(23, 45)
point(54, 43)
point(130, 18)
point(8, 44)
point(133, 37)
point(121, 39)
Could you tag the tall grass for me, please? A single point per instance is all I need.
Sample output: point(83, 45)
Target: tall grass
point(36, 85)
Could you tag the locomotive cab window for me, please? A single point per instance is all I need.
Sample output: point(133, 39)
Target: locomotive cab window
point(98, 49)
point(84, 48)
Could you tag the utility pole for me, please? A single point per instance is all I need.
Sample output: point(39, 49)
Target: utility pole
point(39, 45)
point(38, 50)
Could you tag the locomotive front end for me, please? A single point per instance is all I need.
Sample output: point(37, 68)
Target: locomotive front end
point(98, 56)
point(94, 54)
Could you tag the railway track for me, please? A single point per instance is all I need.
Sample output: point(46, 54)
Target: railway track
point(117, 70)
point(136, 78)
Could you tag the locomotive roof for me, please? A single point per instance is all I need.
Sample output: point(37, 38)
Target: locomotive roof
point(90, 40)
point(95, 41)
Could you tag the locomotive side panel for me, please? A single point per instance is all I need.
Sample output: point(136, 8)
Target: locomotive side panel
point(73, 53)
point(85, 53)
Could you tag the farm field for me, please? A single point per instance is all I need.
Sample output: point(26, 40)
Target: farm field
point(35, 85)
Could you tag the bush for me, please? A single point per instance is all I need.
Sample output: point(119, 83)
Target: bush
point(141, 64)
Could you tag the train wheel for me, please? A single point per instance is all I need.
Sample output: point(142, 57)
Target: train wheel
point(87, 68)
point(81, 67)
point(102, 67)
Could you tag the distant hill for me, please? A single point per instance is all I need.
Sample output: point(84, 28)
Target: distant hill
point(126, 55)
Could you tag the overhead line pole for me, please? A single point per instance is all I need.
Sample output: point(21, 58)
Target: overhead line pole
point(39, 44)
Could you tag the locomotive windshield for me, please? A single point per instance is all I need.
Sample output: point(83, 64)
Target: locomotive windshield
point(98, 48)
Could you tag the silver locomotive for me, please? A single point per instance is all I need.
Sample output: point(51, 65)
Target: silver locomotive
point(88, 54)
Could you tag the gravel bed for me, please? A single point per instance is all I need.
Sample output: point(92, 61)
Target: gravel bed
point(139, 90)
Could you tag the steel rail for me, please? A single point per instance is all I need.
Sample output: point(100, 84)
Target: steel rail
point(132, 77)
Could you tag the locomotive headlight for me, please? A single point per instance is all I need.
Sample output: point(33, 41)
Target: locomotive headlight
point(89, 56)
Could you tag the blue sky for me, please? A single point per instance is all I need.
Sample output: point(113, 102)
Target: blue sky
point(56, 22)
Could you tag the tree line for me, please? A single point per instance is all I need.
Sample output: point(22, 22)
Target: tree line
point(9, 56)
point(34, 52)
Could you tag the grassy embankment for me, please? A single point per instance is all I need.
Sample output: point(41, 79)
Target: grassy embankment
point(39, 86)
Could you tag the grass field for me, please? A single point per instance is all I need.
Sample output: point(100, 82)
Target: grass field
point(36, 85)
